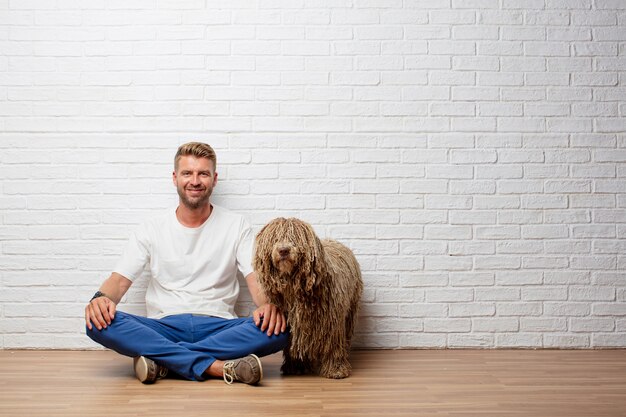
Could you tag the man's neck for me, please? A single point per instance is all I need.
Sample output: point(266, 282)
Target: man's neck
point(193, 217)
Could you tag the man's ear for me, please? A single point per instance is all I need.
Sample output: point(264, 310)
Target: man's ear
point(214, 179)
point(174, 178)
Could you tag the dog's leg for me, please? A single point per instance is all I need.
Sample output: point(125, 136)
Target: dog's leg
point(336, 366)
point(334, 362)
point(293, 366)
point(351, 324)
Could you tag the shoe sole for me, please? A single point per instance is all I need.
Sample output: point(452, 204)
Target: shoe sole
point(142, 370)
point(258, 361)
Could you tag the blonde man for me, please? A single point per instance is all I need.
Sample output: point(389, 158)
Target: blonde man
point(193, 254)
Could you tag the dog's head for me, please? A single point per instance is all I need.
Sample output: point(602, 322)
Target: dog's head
point(288, 253)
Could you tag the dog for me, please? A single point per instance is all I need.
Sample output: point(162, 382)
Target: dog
point(318, 285)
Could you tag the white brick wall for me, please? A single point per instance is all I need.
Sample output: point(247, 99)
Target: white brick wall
point(471, 152)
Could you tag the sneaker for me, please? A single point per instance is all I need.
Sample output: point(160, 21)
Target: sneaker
point(147, 370)
point(247, 370)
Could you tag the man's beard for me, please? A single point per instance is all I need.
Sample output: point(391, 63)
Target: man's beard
point(193, 204)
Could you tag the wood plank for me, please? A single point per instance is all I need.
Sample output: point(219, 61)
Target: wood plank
point(455, 383)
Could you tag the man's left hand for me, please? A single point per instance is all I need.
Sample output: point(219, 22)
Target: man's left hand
point(270, 319)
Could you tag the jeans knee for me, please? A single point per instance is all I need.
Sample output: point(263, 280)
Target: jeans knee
point(98, 336)
point(276, 342)
point(105, 335)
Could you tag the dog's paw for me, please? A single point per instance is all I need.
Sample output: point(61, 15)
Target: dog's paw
point(336, 372)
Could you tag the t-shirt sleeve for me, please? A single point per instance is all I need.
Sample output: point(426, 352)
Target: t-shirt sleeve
point(135, 256)
point(245, 247)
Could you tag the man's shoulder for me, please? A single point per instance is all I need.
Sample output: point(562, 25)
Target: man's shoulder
point(224, 215)
point(157, 219)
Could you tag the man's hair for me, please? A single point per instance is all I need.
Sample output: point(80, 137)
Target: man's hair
point(197, 149)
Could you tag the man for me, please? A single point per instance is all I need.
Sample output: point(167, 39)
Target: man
point(193, 254)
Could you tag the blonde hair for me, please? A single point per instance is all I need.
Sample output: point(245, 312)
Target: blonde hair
point(197, 149)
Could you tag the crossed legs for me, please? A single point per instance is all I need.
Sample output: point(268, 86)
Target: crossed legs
point(195, 347)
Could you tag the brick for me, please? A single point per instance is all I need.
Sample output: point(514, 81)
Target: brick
point(593, 262)
point(495, 325)
point(519, 217)
point(428, 32)
point(403, 16)
point(423, 279)
point(566, 340)
point(526, 94)
point(351, 202)
point(472, 187)
point(608, 340)
point(449, 295)
point(549, 170)
point(519, 309)
point(423, 340)
point(447, 326)
point(398, 325)
point(352, 17)
point(423, 247)
point(496, 262)
point(375, 217)
point(518, 340)
point(473, 32)
point(568, 309)
point(594, 49)
point(447, 263)
point(500, 17)
point(471, 279)
point(567, 247)
point(536, 262)
point(472, 309)
point(594, 79)
point(423, 310)
point(451, 140)
point(608, 34)
point(542, 325)
point(609, 309)
point(395, 296)
point(497, 294)
point(496, 202)
point(399, 232)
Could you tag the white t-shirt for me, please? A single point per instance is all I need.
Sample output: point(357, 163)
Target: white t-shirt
point(194, 270)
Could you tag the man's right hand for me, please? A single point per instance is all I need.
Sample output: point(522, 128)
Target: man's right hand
point(100, 311)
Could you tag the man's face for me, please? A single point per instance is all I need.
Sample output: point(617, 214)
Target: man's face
point(194, 180)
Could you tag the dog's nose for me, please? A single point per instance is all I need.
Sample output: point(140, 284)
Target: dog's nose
point(283, 252)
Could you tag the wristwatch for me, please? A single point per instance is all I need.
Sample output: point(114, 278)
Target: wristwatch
point(97, 294)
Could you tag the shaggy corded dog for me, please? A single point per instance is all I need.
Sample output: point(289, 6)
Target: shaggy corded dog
point(317, 283)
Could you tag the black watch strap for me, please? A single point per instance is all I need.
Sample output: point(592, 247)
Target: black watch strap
point(98, 294)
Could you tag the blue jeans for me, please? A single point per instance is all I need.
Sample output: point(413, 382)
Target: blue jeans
point(186, 344)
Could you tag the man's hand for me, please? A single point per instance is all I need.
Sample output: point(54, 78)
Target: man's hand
point(100, 311)
point(270, 318)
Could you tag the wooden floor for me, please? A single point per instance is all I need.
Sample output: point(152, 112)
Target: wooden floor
point(464, 383)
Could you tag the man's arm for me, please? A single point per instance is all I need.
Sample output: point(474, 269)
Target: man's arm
point(267, 315)
point(101, 310)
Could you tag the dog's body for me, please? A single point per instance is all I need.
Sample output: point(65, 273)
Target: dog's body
point(318, 284)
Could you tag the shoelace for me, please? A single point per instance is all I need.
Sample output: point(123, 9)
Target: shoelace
point(162, 372)
point(229, 372)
